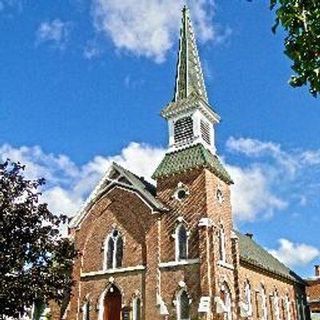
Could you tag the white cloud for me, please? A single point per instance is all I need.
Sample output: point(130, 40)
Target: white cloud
point(251, 195)
point(257, 192)
point(295, 254)
point(256, 148)
point(91, 50)
point(150, 27)
point(69, 184)
point(272, 179)
point(56, 32)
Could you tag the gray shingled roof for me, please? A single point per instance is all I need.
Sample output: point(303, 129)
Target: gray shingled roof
point(252, 253)
point(145, 188)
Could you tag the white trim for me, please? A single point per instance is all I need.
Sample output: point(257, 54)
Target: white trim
point(227, 301)
point(115, 248)
point(135, 308)
point(205, 222)
point(102, 297)
point(178, 304)
point(100, 190)
point(264, 302)
point(112, 271)
point(85, 310)
point(226, 265)
point(178, 263)
point(222, 244)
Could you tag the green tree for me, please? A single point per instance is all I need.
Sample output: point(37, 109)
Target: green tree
point(301, 21)
point(35, 260)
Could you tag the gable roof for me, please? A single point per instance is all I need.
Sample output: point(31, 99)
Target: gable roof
point(253, 254)
point(196, 156)
point(119, 176)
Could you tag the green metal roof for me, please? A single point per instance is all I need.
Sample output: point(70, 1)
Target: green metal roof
point(254, 254)
point(196, 156)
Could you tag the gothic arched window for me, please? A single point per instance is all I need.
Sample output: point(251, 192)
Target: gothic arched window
point(119, 252)
point(247, 297)
point(181, 242)
point(86, 311)
point(183, 306)
point(114, 250)
point(136, 309)
point(276, 305)
point(222, 245)
point(264, 307)
point(183, 130)
point(287, 307)
point(225, 296)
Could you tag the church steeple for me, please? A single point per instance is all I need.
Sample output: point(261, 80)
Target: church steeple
point(190, 117)
point(189, 77)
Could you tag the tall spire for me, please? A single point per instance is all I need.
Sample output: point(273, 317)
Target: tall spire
point(189, 76)
point(190, 117)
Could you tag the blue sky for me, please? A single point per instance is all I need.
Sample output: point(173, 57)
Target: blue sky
point(82, 84)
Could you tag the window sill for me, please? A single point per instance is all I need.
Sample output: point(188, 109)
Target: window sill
point(171, 264)
point(225, 265)
point(112, 271)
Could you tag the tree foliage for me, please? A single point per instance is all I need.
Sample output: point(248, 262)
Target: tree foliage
point(301, 21)
point(35, 261)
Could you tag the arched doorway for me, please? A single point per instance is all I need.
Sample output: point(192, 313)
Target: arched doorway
point(112, 304)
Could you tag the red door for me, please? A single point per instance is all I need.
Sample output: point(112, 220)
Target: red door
point(112, 304)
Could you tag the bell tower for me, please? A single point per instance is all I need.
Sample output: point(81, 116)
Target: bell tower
point(191, 119)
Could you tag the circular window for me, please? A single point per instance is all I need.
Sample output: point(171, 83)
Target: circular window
point(181, 194)
point(219, 196)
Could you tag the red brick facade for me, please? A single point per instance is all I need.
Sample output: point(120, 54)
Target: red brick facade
point(149, 268)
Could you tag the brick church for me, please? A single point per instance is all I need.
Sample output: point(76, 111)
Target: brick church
point(169, 250)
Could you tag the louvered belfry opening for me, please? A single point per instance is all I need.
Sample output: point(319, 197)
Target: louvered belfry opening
point(205, 131)
point(183, 130)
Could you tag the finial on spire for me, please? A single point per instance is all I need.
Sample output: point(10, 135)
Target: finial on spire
point(189, 77)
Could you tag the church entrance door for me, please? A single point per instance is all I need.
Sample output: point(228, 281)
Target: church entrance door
point(112, 304)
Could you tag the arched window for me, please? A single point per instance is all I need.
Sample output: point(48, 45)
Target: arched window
point(136, 309)
point(301, 308)
point(183, 306)
point(181, 242)
point(225, 296)
point(276, 305)
point(287, 307)
point(113, 250)
point(247, 298)
point(264, 306)
point(222, 245)
point(119, 252)
point(86, 311)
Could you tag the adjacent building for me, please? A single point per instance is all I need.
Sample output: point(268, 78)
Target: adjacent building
point(313, 293)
